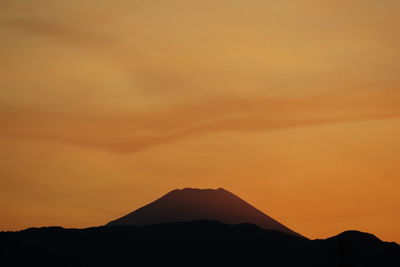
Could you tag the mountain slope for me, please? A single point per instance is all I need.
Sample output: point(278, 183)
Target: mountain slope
point(200, 204)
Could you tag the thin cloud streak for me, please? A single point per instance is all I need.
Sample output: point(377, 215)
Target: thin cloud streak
point(129, 134)
point(57, 32)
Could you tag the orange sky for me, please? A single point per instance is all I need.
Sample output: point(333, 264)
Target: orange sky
point(294, 106)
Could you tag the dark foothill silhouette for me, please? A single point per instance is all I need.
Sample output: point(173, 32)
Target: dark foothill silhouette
point(192, 242)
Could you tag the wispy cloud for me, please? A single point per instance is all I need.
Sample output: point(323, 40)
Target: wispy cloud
point(54, 31)
point(135, 132)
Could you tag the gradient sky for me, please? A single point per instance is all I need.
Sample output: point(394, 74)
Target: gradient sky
point(294, 106)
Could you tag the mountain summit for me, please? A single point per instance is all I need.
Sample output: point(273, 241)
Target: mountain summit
point(192, 204)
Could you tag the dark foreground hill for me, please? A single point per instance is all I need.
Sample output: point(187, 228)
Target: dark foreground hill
point(201, 243)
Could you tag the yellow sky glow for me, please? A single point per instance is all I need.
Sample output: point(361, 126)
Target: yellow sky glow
point(292, 105)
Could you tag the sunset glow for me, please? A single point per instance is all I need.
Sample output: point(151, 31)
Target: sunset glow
point(292, 105)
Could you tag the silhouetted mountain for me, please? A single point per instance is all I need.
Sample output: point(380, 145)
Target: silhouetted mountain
point(171, 231)
point(354, 248)
point(200, 204)
point(201, 243)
